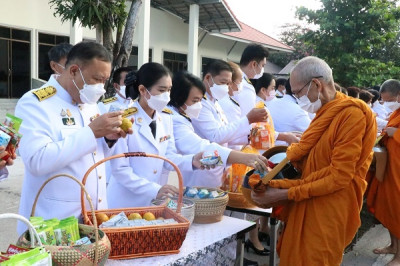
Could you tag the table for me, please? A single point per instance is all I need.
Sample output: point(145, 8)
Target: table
point(210, 244)
point(273, 227)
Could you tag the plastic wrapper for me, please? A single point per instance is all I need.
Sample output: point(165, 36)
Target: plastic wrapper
point(211, 158)
point(203, 193)
point(83, 241)
point(34, 257)
point(117, 219)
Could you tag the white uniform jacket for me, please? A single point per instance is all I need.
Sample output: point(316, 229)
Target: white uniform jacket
point(213, 125)
point(380, 110)
point(117, 101)
point(136, 181)
point(188, 142)
point(231, 108)
point(287, 115)
point(57, 140)
point(247, 97)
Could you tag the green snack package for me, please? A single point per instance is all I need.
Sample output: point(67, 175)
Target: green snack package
point(73, 221)
point(46, 235)
point(13, 122)
point(36, 257)
point(63, 233)
point(37, 222)
point(52, 222)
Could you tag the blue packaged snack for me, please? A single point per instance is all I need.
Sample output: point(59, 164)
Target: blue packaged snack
point(214, 194)
point(203, 193)
point(191, 192)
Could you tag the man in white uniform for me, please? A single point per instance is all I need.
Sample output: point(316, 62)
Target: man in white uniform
point(120, 99)
point(280, 87)
point(63, 133)
point(252, 64)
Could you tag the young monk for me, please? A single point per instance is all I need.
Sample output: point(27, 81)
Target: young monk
point(382, 196)
point(322, 208)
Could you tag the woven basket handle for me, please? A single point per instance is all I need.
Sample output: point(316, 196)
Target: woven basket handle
point(133, 154)
point(89, 199)
point(32, 231)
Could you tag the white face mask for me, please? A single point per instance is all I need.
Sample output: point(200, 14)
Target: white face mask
point(271, 96)
point(284, 91)
point(90, 93)
point(307, 105)
point(258, 75)
point(239, 87)
point(219, 91)
point(122, 90)
point(193, 110)
point(393, 106)
point(158, 102)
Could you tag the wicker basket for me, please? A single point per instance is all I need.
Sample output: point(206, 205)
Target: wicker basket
point(143, 241)
point(187, 211)
point(210, 210)
point(93, 254)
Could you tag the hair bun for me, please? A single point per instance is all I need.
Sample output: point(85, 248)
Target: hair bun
point(130, 79)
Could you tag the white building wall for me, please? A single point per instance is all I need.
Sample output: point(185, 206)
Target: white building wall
point(167, 32)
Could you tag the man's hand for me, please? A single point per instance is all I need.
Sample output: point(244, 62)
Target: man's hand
point(9, 161)
point(108, 125)
point(256, 161)
point(167, 191)
point(288, 137)
point(271, 197)
point(257, 115)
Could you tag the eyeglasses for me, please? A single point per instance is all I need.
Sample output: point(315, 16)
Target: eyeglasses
point(296, 94)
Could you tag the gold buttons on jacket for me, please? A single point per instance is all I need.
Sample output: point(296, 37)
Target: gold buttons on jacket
point(100, 200)
point(155, 172)
point(94, 153)
point(100, 176)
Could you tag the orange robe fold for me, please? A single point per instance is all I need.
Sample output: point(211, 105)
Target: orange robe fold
point(333, 155)
point(383, 197)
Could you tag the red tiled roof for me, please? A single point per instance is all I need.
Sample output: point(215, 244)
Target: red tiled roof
point(251, 34)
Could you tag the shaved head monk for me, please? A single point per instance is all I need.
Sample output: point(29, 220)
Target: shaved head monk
point(321, 210)
point(383, 196)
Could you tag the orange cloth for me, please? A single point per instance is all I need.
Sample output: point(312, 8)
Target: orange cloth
point(333, 155)
point(383, 196)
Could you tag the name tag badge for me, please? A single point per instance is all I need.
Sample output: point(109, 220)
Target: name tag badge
point(68, 121)
point(162, 139)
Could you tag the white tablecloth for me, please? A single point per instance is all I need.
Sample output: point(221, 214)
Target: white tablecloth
point(198, 238)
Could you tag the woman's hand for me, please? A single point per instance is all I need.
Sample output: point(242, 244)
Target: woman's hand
point(271, 197)
point(167, 191)
point(9, 161)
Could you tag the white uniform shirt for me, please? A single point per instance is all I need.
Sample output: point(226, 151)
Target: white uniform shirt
point(188, 142)
point(117, 101)
point(247, 97)
point(57, 140)
point(279, 94)
point(231, 108)
point(287, 115)
point(136, 181)
point(104, 107)
point(380, 110)
point(213, 125)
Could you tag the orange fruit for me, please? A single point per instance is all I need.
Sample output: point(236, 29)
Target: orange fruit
point(126, 124)
point(101, 218)
point(148, 216)
point(134, 216)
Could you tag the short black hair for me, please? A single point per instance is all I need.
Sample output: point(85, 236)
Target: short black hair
point(215, 67)
point(181, 85)
point(147, 75)
point(59, 52)
point(263, 82)
point(280, 81)
point(253, 52)
point(117, 73)
point(84, 52)
point(376, 95)
point(288, 87)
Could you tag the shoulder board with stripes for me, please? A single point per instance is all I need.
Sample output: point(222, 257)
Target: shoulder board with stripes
point(167, 111)
point(130, 111)
point(109, 100)
point(45, 93)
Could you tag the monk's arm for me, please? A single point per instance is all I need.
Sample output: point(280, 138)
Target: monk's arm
point(345, 155)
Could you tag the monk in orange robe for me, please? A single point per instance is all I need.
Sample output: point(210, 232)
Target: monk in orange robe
point(383, 196)
point(321, 210)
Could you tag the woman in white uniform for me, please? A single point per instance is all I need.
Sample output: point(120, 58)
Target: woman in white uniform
point(136, 181)
point(186, 94)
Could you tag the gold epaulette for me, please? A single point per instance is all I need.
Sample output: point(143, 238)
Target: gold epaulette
point(45, 93)
point(185, 116)
point(248, 81)
point(130, 111)
point(204, 97)
point(235, 102)
point(167, 111)
point(109, 100)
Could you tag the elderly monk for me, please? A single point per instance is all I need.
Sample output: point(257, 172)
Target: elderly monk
point(322, 208)
point(383, 196)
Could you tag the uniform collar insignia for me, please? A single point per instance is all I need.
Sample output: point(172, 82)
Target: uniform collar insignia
point(234, 101)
